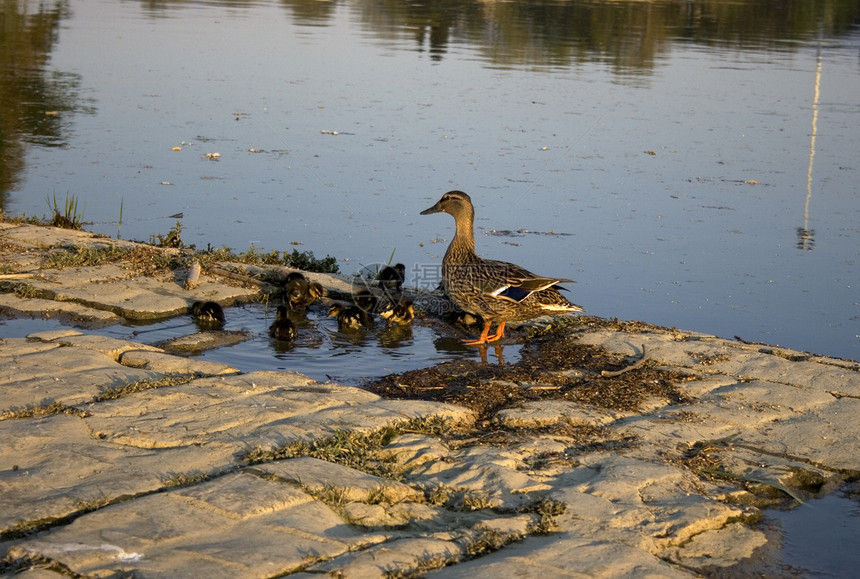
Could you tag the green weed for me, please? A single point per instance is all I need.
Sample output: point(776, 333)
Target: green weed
point(141, 386)
point(306, 261)
point(119, 223)
point(43, 410)
point(67, 217)
point(184, 480)
point(73, 256)
point(172, 239)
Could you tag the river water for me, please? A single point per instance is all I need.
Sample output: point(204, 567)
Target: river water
point(690, 164)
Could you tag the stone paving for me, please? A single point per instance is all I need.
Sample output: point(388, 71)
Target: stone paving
point(120, 459)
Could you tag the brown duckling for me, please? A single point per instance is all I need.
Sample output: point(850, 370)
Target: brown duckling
point(398, 313)
point(301, 292)
point(365, 300)
point(350, 317)
point(282, 328)
point(392, 277)
point(207, 312)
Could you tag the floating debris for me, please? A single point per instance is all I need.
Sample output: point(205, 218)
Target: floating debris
point(193, 278)
point(324, 132)
point(521, 232)
point(212, 156)
point(176, 149)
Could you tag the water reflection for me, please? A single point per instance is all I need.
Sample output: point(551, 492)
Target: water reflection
point(628, 36)
point(805, 235)
point(30, 99)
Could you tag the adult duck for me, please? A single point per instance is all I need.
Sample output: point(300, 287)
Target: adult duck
point(497, 291)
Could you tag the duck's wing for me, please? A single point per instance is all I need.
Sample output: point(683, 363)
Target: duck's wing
point(512, 282)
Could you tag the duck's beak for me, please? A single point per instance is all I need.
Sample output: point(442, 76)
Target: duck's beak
point(435, 209)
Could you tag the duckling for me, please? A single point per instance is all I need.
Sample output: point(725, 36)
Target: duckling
point(392, 277)
point(301, 292)
point(349, 317)
point(207, 312)
point(365, 300)
point(399, 313)
point(282, 328)
point(464, 318)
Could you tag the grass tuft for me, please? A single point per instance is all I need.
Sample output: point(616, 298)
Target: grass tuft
point(172, 239)
point(66, 217)
point(358, 450)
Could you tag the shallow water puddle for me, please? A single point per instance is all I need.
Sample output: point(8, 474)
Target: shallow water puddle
point(320, 351)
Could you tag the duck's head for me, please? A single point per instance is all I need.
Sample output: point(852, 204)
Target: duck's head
point(454, 203)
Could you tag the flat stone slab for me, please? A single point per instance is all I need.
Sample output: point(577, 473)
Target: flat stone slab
point(71, 312)
point(783, 403)
point(274, 529)
point(139, 297)
point(54, 467)
point(202, 341)
point(563, 556)
point(119, 292)
point(170, 364)
point(321, 476)
point(546, 412)
point(42, 374)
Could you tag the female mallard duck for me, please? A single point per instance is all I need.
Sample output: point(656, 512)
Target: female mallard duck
point(495, 290)
point(301, 292)
point(282, 328)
